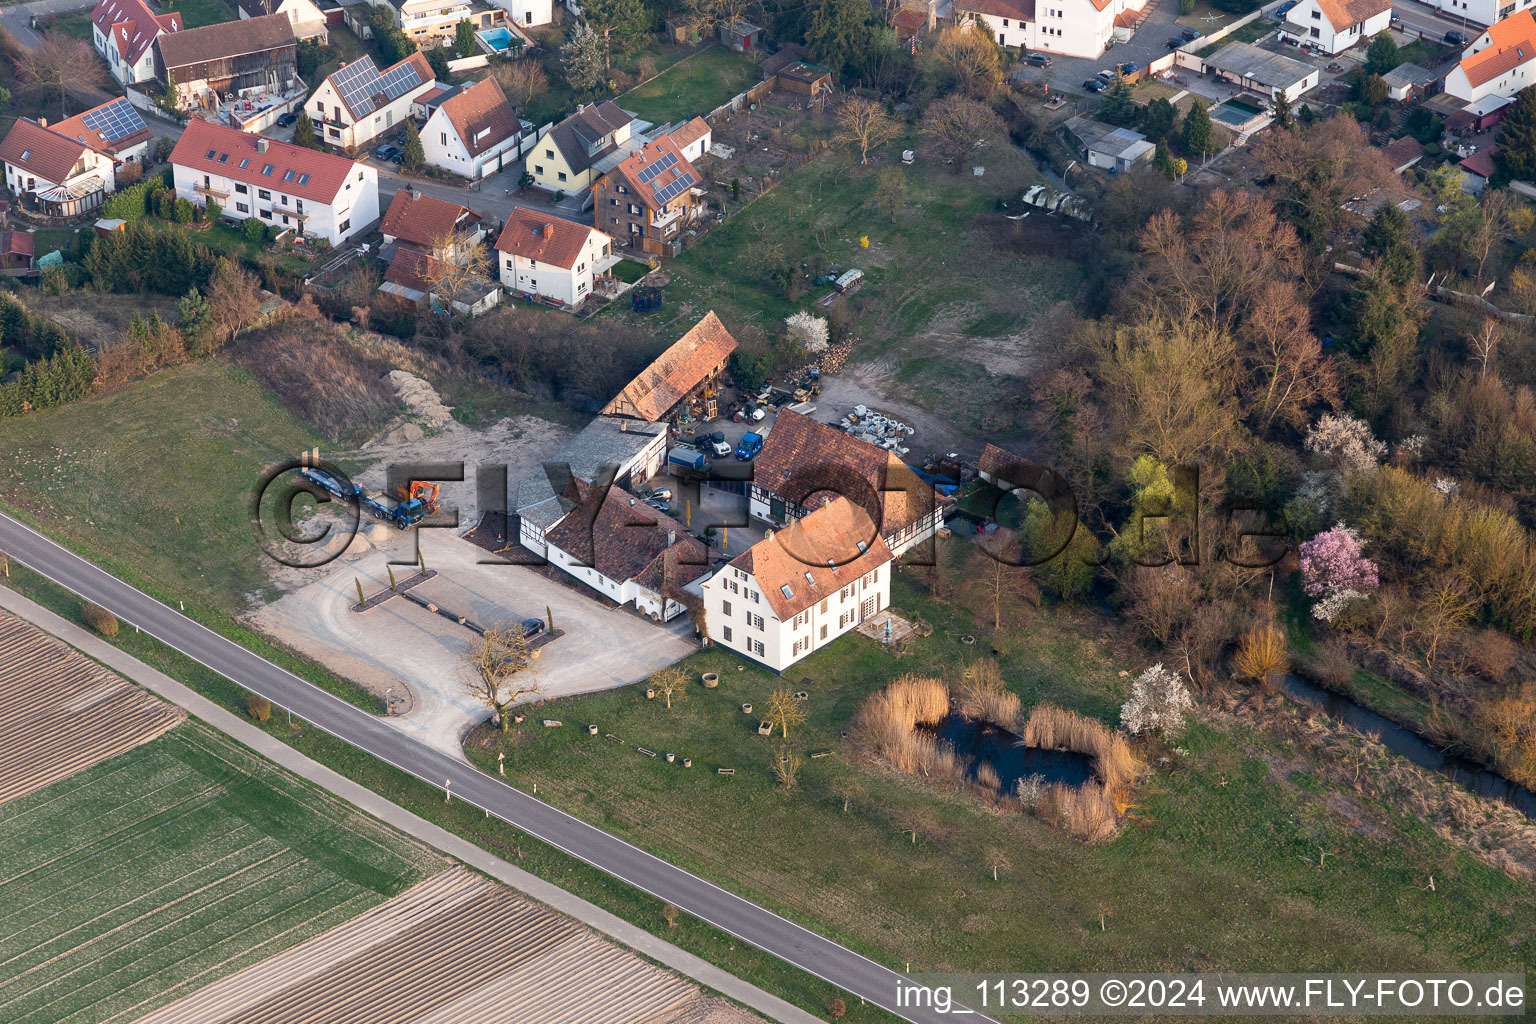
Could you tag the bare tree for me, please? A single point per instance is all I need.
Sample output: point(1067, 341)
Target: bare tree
point(968, 59)
point(784, 710)
point(1000, 582)
point(235, 298)
point(786, 767)
point(501, 669)
point(997, 860)
point(458, 260)
point(707, 16)
point(891, 192)
point(522, 80)
point(60, 63)
point(672, 684)
point(1485, 345)
point(847, 790)
point(915, 821)
point(958, 125)
point(865, 124)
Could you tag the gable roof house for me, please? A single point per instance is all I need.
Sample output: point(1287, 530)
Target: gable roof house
point(1335, 25)
point(1011, 21)
point(1500, 62)
point(1081, 28)
point(358, 102)
point(626, 550)
point(800, 589)
point(472, 133)
point(255, 60)
point(570, 155)
point(17, 249)
point(123, 31)
point(552, 258)
point(70, 168)
point(688, 368)
point(415, 277)
point(423, 223)
point(648, 198)
point(428, 21)
point(804, 462)
point(308, 19)
point(309, 191)
point(693, 138)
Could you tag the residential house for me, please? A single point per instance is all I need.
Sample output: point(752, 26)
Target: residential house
point(1500, 62)
point(1081, 28)
point(1114, 149)
point(1010, 22)
point(1479, 12)
point(800, 589)
point(415, 278)
point(473, 133)
point(255, 61)
point(309, 21)
point(423, 223)
point(431, 22)
point(1333, 26)
point(70, 167)
point(804, 461)
point(358, 102)
point(685, 371)
point(569, 156)
point(552, 258)
point(626, 550)
point(609, 450)
point(693, 138)
point(124, 31)
point(528, 13)
point(1262, 71)
point(309, 191)
point(648, 198)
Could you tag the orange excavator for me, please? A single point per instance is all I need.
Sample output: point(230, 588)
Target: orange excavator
point(423, 491)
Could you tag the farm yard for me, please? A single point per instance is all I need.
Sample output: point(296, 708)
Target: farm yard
point(151, 874)
point(454, 948)
point(1216, 868)
point(61, 712)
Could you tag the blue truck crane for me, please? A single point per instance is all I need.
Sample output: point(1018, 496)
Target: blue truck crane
point(404, 514)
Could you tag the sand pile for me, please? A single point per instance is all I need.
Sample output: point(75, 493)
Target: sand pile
point(421, 399)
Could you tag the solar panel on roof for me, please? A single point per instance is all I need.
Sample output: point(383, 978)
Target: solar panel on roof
point(113, 121)
point(656, 168)
point(364, 89)
point(674, 189)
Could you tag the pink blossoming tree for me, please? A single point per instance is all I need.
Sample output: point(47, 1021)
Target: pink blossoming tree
point(1334, 571)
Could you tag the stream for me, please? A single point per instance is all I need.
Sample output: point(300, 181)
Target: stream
point(1411, 745)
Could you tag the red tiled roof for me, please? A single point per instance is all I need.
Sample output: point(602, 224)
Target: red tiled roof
point(908, 23)
point(481, 115)
point(1343, 13)
point(411, 269)
point(40, 151)
point(75, 128)
point(797, 558)
point(1481, 163)
point(690, 133)
point(625, 539)
point(423, 221)
point(1024, 10)
point(801, 454)
point(645, 191)
point(1403, 152)
point(133, 24)
point(677, 371)
point(548, 239)
point(1512, 43)
point(289, 163)
point(18, 243)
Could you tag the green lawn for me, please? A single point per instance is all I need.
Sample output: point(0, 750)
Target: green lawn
point(1210, 875)
point(75, 25)
point(154, 479)
point(629, 271)
point(197, 13)
point(148, 876)
point(693, 86)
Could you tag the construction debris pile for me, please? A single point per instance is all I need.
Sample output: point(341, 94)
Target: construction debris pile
point(877, 428)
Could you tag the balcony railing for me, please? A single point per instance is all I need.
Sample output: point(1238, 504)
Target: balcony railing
point(209, 190)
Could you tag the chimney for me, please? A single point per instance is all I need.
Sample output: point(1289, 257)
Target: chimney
point(42, 122)
point(623, 426)
point(549, 230)
point(261, 144)
point(671, 537)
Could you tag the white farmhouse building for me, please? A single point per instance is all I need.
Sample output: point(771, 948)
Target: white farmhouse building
point(800, 589)
point(1335, 25)
point(358, 102)
point(307, 19)
point(1480, 12)
point(1500, 62)
point(551, 257)
point(528, 13)
point(1079, 28)
point(124, 32)
point(306, 190)
point(473, 133)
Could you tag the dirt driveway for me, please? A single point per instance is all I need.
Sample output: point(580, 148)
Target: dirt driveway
point(402, 650)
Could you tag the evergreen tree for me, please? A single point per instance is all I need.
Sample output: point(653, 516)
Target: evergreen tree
point(304, 132)
point(1381, 57)
point(415, 155)
point(1282, 109)
point(464, 38)
point(621, 24)
point(1517, 137)
point(1162, 160)
point(584, 59)
point(1118, 105)
point(1158, 118)
point(838, 31)
point(194, 316)
point(1373, 90)
point(1197, 132)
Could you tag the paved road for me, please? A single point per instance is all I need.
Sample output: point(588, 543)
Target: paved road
point(17, 19)
point(730, 913)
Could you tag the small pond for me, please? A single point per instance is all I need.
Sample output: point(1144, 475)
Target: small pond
point(984, 742)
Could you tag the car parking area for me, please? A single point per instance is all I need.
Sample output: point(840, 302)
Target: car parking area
point(1067, 74)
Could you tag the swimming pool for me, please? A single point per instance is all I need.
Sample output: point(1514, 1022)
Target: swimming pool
point(1236, 112)
point(499, 40)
